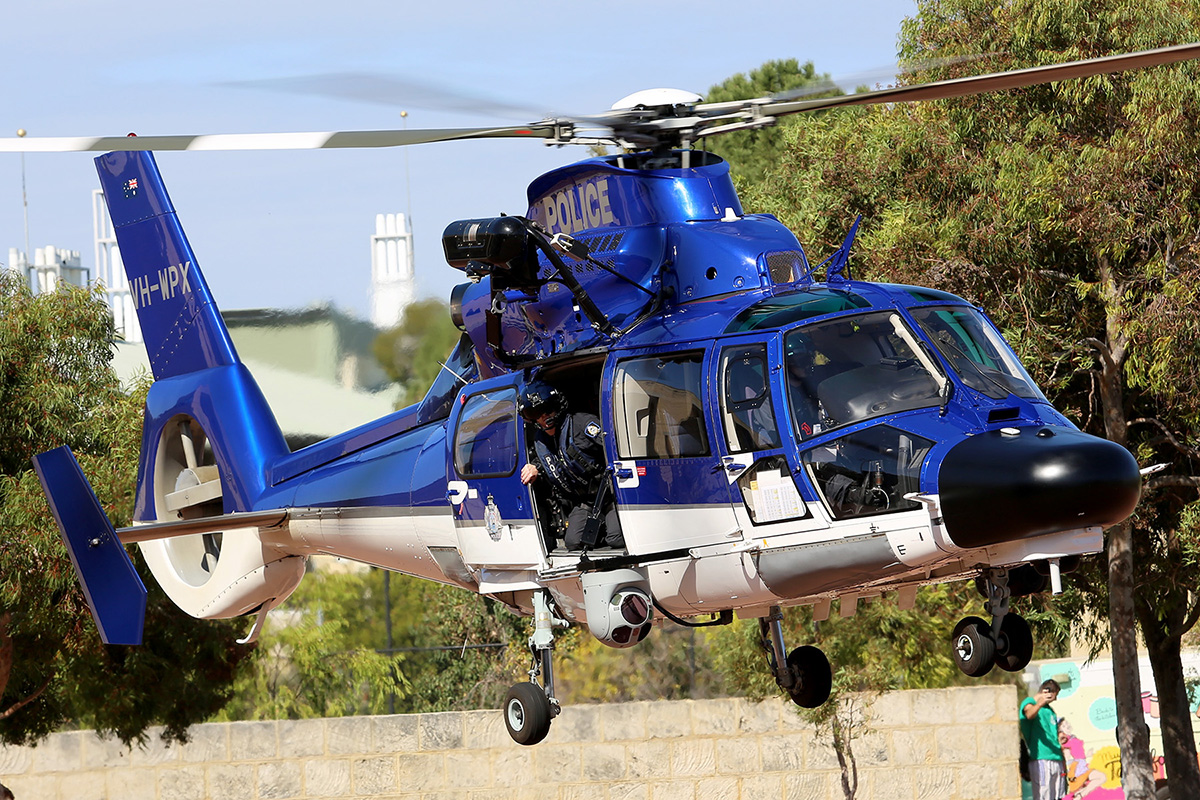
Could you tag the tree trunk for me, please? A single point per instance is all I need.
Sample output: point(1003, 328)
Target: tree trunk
point(6, 651)
point(843, 735)
point(1133, 735)
point(1179, 743)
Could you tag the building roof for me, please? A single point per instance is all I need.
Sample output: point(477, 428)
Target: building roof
point(307, 408)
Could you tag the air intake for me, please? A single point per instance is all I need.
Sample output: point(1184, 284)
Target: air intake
point(1003, 414)
point(786, 266)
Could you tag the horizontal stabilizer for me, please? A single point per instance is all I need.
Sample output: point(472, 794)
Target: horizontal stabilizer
point(112, 586)
point(189, 527)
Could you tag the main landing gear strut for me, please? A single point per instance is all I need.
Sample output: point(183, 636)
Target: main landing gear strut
point(803, 673)
point(1006, 642)
point(529, 708)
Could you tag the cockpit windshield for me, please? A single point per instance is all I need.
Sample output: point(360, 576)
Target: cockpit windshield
point(853, 368)
point(976, 351)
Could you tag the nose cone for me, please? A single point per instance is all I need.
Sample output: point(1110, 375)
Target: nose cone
point(997, 487)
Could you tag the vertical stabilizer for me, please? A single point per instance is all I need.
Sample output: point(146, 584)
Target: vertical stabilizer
point(208, 434)
point(180, 323)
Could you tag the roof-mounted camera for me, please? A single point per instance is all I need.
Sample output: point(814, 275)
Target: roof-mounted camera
point(499, 246)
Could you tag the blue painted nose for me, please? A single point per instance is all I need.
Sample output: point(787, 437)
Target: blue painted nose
point(997, 487)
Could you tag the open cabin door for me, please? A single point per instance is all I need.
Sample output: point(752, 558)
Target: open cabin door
point(493, 510)
point(671, 489)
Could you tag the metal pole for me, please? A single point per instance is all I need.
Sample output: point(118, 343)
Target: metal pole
point(407, 183)
point(387, 626)
point(412, 240)
point(24, 197)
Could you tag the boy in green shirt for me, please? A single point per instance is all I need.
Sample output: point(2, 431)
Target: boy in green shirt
point(1039, 729)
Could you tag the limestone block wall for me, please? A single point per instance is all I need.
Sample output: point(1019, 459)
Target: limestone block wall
point(945, 744)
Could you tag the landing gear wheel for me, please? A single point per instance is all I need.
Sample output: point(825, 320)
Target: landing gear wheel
point(814, 678)
point(1014, 647)
point(974, 649)
point(527, 713)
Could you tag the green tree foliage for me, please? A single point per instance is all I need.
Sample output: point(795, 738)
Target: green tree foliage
point(1069, 211)
point(464, 650)
point(55, 351)
point(326, 651)
point(311, 660)
point(672, 663)
point(56, 388)
point(411, 353)
point(753, 152)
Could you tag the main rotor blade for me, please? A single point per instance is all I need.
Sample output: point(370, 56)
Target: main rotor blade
point(271, 141)
point(879, 76)
point(390, 91)
point(644, 127)
point(978, 84)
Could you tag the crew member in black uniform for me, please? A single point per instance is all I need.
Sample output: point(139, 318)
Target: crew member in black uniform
point(568, 452)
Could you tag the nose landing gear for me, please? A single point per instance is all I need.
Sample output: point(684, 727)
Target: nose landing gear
point(529, 708)
point(803, 673)
point(1014, 644)
point(1006, 643)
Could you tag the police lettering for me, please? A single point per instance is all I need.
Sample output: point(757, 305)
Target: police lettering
point(578, 207)
point(171, 281)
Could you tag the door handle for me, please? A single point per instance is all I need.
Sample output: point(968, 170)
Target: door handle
point(456, 492)
point(730, 465)
point(626, 474)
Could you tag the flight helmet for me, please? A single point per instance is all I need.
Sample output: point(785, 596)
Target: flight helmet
point(538, 399)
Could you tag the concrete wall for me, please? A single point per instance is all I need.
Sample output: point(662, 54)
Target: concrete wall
point(955, 743)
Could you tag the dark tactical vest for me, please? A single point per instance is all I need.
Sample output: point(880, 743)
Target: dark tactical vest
point(576, 460)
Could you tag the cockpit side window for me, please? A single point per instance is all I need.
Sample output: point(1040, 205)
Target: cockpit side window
point(853, 368)
point(657, 406)
point(868, 472)
point(746, 408)
point(976, 351)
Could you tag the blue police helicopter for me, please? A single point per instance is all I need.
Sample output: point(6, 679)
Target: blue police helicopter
point(772, 432)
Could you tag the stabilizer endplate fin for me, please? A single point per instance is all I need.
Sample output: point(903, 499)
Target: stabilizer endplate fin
point(112, 586)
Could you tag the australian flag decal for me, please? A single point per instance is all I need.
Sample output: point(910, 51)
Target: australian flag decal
point(131, 188)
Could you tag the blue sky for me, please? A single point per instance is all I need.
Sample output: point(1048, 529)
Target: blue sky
point(289, 229)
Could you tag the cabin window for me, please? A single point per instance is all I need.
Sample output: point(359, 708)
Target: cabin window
point(656, 402)
point(789, 309)
point(854, 368)
point(868, 472)
point(746, 408)
point(485, 445)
